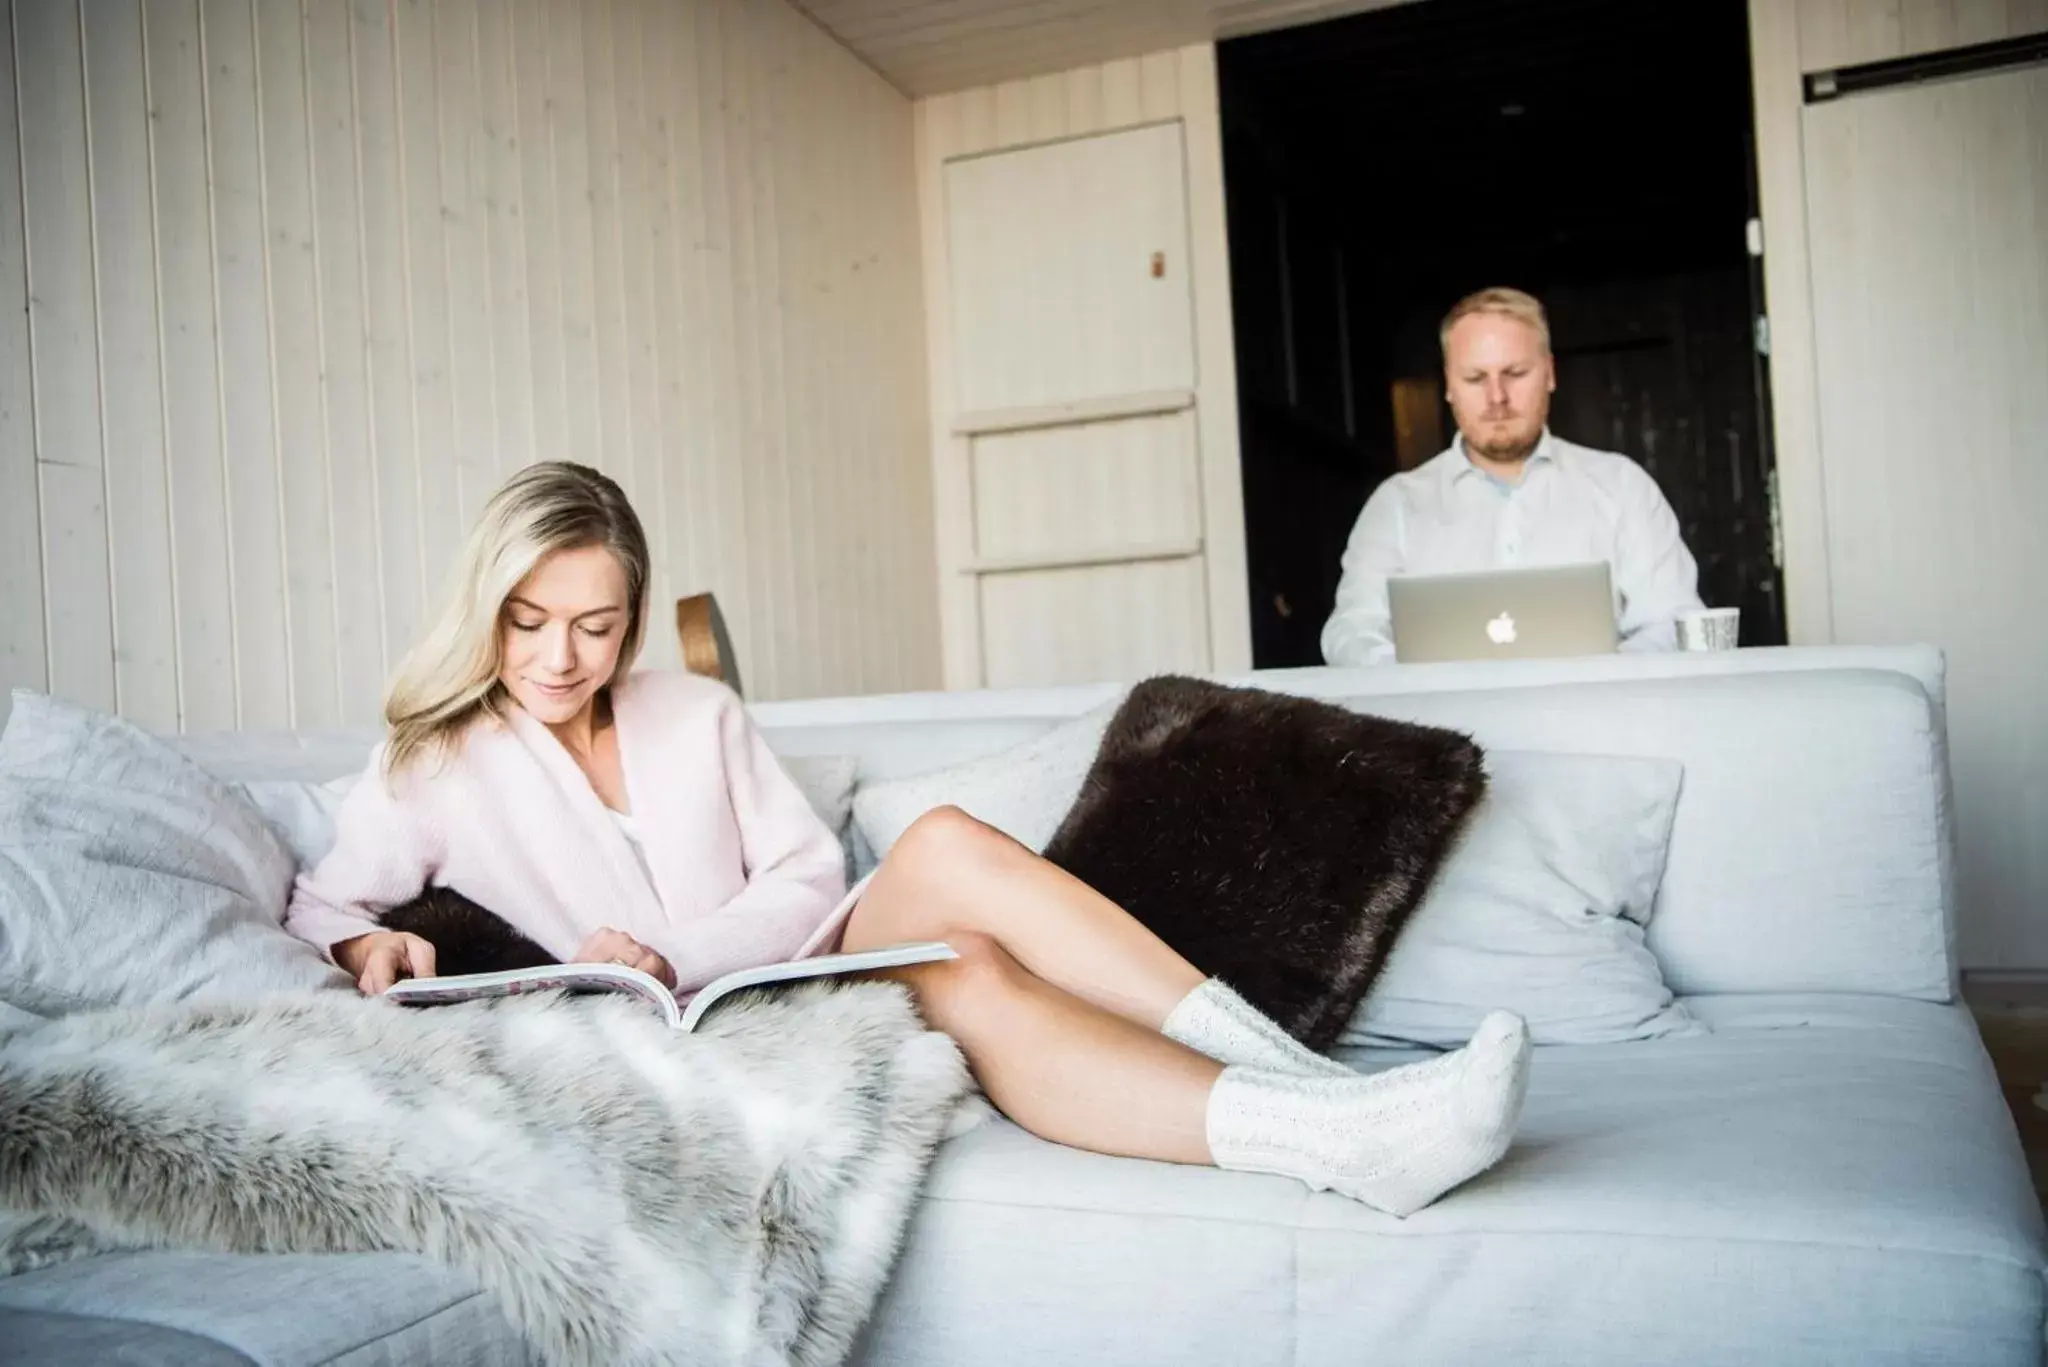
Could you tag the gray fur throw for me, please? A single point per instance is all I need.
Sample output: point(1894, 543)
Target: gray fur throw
point(1279, 843)
point(627, 1193)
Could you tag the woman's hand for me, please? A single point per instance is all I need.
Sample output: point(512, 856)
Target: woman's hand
point(610, 946)
point(382, 957)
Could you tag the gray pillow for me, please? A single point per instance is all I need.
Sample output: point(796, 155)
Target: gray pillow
point(128, 874)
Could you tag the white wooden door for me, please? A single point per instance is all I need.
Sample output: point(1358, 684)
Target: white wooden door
point(1927, 222)
point(1073, 341)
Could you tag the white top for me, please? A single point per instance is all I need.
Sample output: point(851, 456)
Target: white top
point(1573, 505)
point(636, 841)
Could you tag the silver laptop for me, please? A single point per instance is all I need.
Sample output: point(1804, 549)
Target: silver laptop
point(1504, 614)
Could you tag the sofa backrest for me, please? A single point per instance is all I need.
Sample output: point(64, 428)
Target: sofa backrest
point(1811, 850)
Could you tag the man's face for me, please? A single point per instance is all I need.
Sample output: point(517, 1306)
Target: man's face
point(1499, 380)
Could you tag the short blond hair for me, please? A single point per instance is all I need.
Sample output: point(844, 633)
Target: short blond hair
point(1508, 303)
point(451, 677)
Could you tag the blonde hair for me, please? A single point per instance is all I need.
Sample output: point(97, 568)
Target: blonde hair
point(1508, 303)
point(451, 677)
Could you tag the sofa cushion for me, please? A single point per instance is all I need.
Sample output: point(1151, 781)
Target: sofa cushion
point(1023, 791)
point(1821, 1180)
point(281, 1310)
point(1538, 911)
point(128, 874)
point(1811, 849)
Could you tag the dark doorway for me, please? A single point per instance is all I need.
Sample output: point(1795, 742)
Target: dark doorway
point(1594, 152)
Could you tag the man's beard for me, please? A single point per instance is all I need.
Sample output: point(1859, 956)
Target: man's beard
point(1507, 448)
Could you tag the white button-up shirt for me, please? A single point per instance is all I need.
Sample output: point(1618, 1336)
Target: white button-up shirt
point(1573, 505)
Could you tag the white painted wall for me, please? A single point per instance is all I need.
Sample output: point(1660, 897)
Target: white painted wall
point(1081, 638)
point(1903, 236)
point(287, 287)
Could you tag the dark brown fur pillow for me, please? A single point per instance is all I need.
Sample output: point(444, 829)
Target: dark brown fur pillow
point(1278, 843)
point(466, 938)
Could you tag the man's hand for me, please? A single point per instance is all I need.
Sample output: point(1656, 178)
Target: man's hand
point(382, 957)
point(610, 946)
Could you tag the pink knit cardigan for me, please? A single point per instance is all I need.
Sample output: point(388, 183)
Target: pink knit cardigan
point(744, 872)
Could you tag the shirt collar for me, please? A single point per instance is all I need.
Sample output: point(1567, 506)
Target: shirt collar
point(1456, 470)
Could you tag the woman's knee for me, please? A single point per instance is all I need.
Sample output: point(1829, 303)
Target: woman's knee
point(948, 844)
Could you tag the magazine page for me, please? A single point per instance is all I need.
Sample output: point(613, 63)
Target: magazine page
point(825, 965)
point(552, 977)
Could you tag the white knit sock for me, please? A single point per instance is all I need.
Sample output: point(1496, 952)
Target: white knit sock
point(1395, 1140)
point(1214, 1020)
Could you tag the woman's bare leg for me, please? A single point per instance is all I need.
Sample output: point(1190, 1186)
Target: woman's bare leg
point(950, 873)
point(1057, 999)
point(1061, 1067)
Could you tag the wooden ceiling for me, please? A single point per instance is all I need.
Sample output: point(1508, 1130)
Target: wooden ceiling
point(928, 47)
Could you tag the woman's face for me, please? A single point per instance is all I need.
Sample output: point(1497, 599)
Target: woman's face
point(562, 629)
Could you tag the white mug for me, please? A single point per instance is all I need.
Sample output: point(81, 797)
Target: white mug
point(1709, 629)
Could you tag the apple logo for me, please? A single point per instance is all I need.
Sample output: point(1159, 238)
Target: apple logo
point(1501, 630)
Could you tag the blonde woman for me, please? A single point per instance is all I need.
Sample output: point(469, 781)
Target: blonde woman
point(639, 818)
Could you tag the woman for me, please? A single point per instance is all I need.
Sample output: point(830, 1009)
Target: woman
point(640, 819)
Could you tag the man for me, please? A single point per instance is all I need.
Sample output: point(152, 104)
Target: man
point(1508, 494)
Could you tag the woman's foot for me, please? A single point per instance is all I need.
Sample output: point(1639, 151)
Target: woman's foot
point(1395, 1140)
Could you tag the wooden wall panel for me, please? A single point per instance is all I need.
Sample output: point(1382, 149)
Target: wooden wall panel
point(143, 578)
point(24, 658)
point(65, 380)
point(295, 285)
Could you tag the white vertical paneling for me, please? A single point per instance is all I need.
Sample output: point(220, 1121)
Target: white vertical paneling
point(383, 205)
point(209, 681)
point(298, 403)
point(604, 343)
point(311, 278)
point(1117, 349)
point(353, 496)
point(583, 437)
point(534, 77)
point(433, 59)
point(1229, 585)
point(64, 354)
point(131, 367)
point(504, 436)
point(675, 230)
point(249, 464)
point(1774, 29)
point(723, 300)
point(940, 133)
point(643, 229)
point(23, 659)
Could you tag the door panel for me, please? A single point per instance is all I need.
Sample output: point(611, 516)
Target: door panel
point(1927, 211)
point(1069, 271)
point(1094, 488)
point(1093, 623)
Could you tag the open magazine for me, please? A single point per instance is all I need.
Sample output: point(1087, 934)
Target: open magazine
point(680, 1013)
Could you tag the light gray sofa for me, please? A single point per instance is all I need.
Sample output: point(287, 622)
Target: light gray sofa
point(1829, 1176)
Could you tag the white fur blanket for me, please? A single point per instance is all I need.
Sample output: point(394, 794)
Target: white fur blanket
point(629, 1194)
